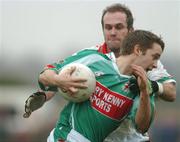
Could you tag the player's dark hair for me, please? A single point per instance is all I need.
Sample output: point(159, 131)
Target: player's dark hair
point(119, 8)
point(144, 39)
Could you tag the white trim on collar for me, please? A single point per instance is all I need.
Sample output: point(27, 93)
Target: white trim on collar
point(111, 56)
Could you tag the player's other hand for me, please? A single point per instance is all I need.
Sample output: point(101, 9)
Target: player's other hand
point(34, 102)
point(68, 83)
point(134, 86)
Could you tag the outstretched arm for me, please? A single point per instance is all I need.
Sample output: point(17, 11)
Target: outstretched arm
point(169, 92)
point(166, 83)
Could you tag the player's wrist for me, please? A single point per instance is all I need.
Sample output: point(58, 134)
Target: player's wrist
point(157, 88)
point(161, 89)
point(154, 86)
point(41, 94)
point(144, 93)
point(149, 87)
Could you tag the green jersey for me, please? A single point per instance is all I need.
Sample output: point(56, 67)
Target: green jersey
point(106, 108)
point(127, 131)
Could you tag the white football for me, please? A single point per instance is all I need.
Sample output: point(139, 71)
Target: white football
point(82, 94)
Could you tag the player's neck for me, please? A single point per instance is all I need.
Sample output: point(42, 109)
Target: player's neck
point(124, 64)
point(116, 54)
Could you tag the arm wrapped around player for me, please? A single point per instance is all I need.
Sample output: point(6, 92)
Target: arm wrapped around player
point(37, 99)
point(51, 79)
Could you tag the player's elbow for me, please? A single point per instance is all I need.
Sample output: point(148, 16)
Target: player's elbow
point(172, 97)
point(142, 129)
point(142, 126)
point(42, 79)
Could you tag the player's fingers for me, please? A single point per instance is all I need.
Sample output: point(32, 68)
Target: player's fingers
point(82, 86)
point(27, 111)
point(79, 85)
point(139, 72)
point(141, 77)
point(63, 90)
point(79, 79)
point(26, 115)
point(71, 70)
point(73, 90)
point(136, 67)
point(136, 73)
point(28, 105)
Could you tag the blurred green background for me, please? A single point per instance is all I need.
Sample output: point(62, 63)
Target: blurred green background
point(37, 32)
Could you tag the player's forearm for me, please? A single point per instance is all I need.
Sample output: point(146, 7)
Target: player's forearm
point(49, 95)
point(48, 77)
point(169, 92)
point(143, 114)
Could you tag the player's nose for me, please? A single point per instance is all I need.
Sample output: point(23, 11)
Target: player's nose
point(155, 64)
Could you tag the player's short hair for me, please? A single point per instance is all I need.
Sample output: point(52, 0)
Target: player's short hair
point(144, 39)
point(119, 8)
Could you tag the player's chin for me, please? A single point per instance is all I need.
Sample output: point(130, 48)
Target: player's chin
point(114, 46)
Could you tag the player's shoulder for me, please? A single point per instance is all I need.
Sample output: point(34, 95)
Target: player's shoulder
point(91, 50)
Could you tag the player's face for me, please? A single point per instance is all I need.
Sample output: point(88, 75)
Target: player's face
point(149, 60)
point(115, 30)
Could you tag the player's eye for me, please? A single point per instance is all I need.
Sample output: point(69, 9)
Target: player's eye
point(156, 57)
point(108, 27)
point(119, 26)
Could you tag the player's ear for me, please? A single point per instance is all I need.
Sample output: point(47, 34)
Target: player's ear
point(137, 50)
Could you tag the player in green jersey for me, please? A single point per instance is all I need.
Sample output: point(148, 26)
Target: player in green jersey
point(117, 22)
point(94, 119)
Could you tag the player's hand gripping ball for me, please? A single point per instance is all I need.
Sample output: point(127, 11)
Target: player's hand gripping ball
point(82, 94)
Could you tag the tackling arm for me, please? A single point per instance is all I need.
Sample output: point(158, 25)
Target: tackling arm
point(165, 91)
point(37, 99)
point(49, 80)
point(169, 92)
point(166, 83)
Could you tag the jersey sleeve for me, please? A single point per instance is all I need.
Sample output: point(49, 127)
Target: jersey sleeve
point(85, 57)
point(53, 66)
point(160, 74)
